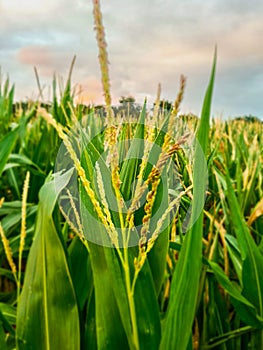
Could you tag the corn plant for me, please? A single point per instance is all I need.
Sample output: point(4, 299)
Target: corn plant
point(128, 232)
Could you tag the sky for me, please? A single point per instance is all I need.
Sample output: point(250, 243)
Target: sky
point(149, 42)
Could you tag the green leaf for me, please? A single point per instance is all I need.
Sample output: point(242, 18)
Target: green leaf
point(145, 299)
point(20, 159)
point(252, 272)
point(6, 324)
point(6, 146)
point(3, 344)
point(113, 318)
point(234, 253)
point(130, 167)
point(109, 329)
point(244, 308)
point(47, 315)
point(185, 281)
point(158, 254)
point(147, 312)
point(113, 313)
point(80, 270)
point(9, 312)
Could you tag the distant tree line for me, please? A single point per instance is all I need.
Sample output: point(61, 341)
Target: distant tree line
point(250, 119)
point(127, 104)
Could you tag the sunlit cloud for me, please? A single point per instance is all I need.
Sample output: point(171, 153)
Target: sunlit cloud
point(89, 91)
point(35, 56)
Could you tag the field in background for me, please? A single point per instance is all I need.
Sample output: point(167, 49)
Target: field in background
point(65, 275)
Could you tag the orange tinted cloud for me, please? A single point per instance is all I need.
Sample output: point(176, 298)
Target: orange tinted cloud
point(39, 56)
point(89, 92)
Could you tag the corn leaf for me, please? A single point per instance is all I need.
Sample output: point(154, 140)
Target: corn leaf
point(107, 314)
point(6, 146)
point(6, 324)
point(234, 253)
point(9, 312)
point(185, 281)
point(252, 273)
point(109, 328)
point(113, 313)
point(130, 168)
point(246, 310)
point(47, 315)
point(3, 344)
point(113, 318)
point(158, 254)
point(80, 270)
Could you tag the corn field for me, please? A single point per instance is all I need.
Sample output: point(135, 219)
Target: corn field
point(128, 232)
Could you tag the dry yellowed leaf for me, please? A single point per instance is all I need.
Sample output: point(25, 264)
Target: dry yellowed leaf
point(257, 212)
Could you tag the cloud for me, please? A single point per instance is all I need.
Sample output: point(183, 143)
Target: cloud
point(46, 59)
point(29, 7)
point(149, 42)
point(89, 91)
point(35, 55)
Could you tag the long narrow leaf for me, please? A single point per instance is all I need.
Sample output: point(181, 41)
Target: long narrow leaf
point(47, 315)
point(6, 147)
point(244, 308)
point(252, 274)
point(185, 282)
